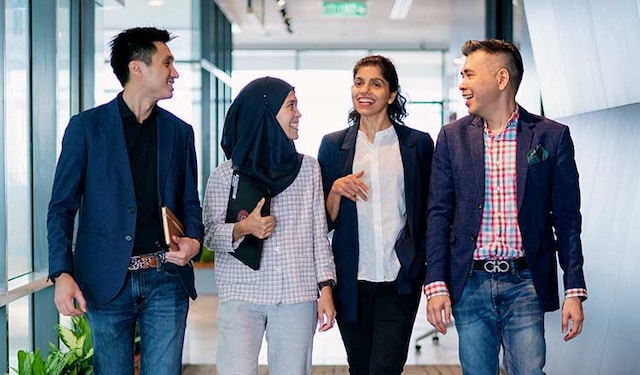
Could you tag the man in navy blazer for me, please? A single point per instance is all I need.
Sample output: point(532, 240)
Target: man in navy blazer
point(504, 203)
point(120, 162)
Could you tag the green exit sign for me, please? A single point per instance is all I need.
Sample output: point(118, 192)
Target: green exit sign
point(344, 9)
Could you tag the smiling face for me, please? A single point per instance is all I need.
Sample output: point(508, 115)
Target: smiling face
point(483, 81)
point(289, 116)
point(370, 92)
point(158, 77)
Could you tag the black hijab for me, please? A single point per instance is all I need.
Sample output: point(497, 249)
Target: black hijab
point(253, 139)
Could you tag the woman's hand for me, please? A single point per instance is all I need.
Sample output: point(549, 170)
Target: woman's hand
point(349, 186)
point(255, 224)
point(326, 310)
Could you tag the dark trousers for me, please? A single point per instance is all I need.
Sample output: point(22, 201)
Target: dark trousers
point(378, 342)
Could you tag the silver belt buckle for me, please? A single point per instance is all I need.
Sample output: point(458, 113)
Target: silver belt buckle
point(493, 266)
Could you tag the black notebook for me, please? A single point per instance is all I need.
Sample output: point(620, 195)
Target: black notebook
point(243, 197)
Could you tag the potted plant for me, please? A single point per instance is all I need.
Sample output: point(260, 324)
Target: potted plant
point(77, 360)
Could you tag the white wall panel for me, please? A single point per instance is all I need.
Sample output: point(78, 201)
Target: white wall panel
point(584, 52)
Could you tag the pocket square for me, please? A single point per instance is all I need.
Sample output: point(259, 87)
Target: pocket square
point(537, 154)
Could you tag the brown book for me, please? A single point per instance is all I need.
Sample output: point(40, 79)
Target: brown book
point(172, 227)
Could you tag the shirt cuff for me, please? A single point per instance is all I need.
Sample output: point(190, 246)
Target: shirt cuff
point(576, 292)
point(436, 288)
point(236, 243)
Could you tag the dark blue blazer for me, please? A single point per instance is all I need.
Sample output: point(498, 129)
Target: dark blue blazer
point(548, 201)
point(336, 160)
point(94, 176)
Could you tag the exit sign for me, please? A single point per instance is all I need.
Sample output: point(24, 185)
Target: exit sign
point(344, 9)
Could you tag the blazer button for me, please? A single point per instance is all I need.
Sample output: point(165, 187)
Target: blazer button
point(479, 206)
point(131, 209)
point(128, 238)
point(473, 238)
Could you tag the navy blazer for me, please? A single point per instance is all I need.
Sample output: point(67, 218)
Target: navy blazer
point(336, 160)
point(548, 201)
point(93, 176)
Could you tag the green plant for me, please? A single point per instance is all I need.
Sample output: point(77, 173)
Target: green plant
point(207, 255)
point(76, 360)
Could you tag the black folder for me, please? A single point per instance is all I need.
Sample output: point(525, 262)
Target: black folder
point(243, 197)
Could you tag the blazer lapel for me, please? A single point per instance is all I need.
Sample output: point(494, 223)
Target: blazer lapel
point(165, 130)
point(408, 154)
point(113, 131)
point(476, 145)
point(524, 141)
point(347, 150)
point(409, 157)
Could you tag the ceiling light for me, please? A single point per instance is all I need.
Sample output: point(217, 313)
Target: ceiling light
point(400, 9)
point(156, 3)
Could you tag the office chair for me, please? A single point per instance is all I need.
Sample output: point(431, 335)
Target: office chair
point(434, 340)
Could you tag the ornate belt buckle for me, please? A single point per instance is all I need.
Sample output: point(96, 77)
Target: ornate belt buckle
point(493, 266)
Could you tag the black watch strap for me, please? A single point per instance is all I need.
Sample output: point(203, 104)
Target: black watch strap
point(329, 282)
point(55, 275)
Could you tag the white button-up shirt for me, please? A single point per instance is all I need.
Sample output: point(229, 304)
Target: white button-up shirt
point(383, 215)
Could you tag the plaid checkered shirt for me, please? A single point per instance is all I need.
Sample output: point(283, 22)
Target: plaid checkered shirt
point(295, 257)
point(499, 236)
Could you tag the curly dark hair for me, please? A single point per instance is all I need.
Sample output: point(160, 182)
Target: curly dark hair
point(135, 44)
point(396, 110)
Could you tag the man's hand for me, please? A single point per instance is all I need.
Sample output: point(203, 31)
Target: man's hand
point(326, 310)
point(66, 294)
point(439, 313)
point(572, 312)
point(187, 249)
point(255, 224)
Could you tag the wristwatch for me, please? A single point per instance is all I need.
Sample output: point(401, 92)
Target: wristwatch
point(329, 282)
point(55, 275)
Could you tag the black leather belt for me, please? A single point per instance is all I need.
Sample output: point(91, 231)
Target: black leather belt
point(500, 266)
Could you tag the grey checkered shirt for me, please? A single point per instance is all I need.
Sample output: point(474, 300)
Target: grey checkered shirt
point(295, 257)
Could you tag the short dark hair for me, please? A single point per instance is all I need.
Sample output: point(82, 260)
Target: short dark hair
point(135, 44)
point(507, 50)
point(396, 110)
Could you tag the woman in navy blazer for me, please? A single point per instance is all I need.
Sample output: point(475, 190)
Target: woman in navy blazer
point(375, 176)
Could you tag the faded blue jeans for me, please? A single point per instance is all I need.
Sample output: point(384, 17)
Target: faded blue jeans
point(500, 310)
point(289, 330)
point(157, 301)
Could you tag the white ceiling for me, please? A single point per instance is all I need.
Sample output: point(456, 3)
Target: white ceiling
point(431, 24)
point(426, 27)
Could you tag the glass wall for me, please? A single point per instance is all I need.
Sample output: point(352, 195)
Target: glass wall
point(63, 64)
point(17, 135)
point(35, 60)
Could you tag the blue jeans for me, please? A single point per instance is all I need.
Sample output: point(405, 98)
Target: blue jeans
point(500, 310)
point(157, 301)
point(289, 329)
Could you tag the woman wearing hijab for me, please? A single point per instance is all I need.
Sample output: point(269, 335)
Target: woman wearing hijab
point(376, 181)
point(281, 297)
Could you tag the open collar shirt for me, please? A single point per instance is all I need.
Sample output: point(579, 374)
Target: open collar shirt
point(383, 215)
